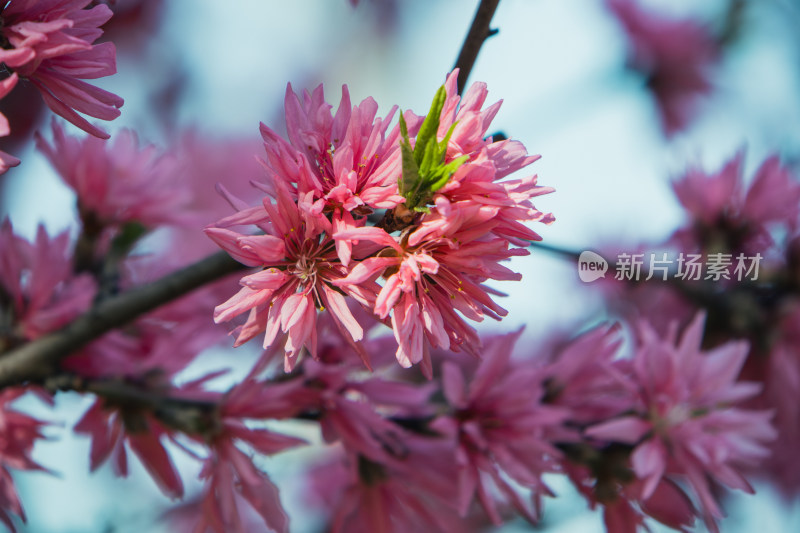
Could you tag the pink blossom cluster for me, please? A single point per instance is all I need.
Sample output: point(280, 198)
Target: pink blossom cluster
point(626, 430)
point(39, 292)
point(50, 44)
point(652, 436)
point(730, 213)
point(340, 219)
point(361, 220)
point(683, 422)
point(118, 181)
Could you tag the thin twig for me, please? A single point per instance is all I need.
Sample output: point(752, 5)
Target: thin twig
point(38, 359)
point(478, 33)
point(549, 248)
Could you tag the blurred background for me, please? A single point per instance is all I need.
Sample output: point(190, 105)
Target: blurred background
point(562, 68)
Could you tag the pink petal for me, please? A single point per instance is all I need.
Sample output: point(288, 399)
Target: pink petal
point(628, 429)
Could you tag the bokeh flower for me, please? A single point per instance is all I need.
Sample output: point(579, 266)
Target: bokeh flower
point(119, 181)
point(39, 292)
point(49, 43)
point(684, 420)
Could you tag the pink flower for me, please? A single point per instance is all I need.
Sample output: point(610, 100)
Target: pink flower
point(231, 477)
point(6, 160)
point(674, 55)
point(685, 422)
point(49, 43)
point(481, 180)
point(18, 433)
point(583, 378)
point(727, 216)
point(119, 182)
point(357, 413)
point(411, 494)
point(502, 428)
point(110, 429)
point(299, 266)
point(433, 272)
point(38, 289)
point(345, 164)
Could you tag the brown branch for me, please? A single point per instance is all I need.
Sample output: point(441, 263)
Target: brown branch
point(38, 359)
point(187, 415)
point(478, 33)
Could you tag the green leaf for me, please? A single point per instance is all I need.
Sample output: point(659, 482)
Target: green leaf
point(430, 126)
point(448, 170)
point(443, 144)
point(429, 158)
point(424, 171)
point(410, 179)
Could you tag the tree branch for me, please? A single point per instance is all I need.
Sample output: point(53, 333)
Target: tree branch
point(478, 33)
point(38, 359)
point(187, 415)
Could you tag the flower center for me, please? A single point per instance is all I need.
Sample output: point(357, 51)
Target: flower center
point(305, 268)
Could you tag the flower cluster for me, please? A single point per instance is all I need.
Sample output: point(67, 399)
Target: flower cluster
point(118, 181)
point(729, 213)
point(399, 220)
point(39, 292)
point(409, 231)
point(678, 417)
point(49, 43)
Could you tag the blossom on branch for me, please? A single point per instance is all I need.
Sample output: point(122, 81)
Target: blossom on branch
point(684, 420)
point(504, 430)
point(119, 181)
point(299, 266)
point(39, 292)
point(49, 43)
point(444, 191)
point(230, 474)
